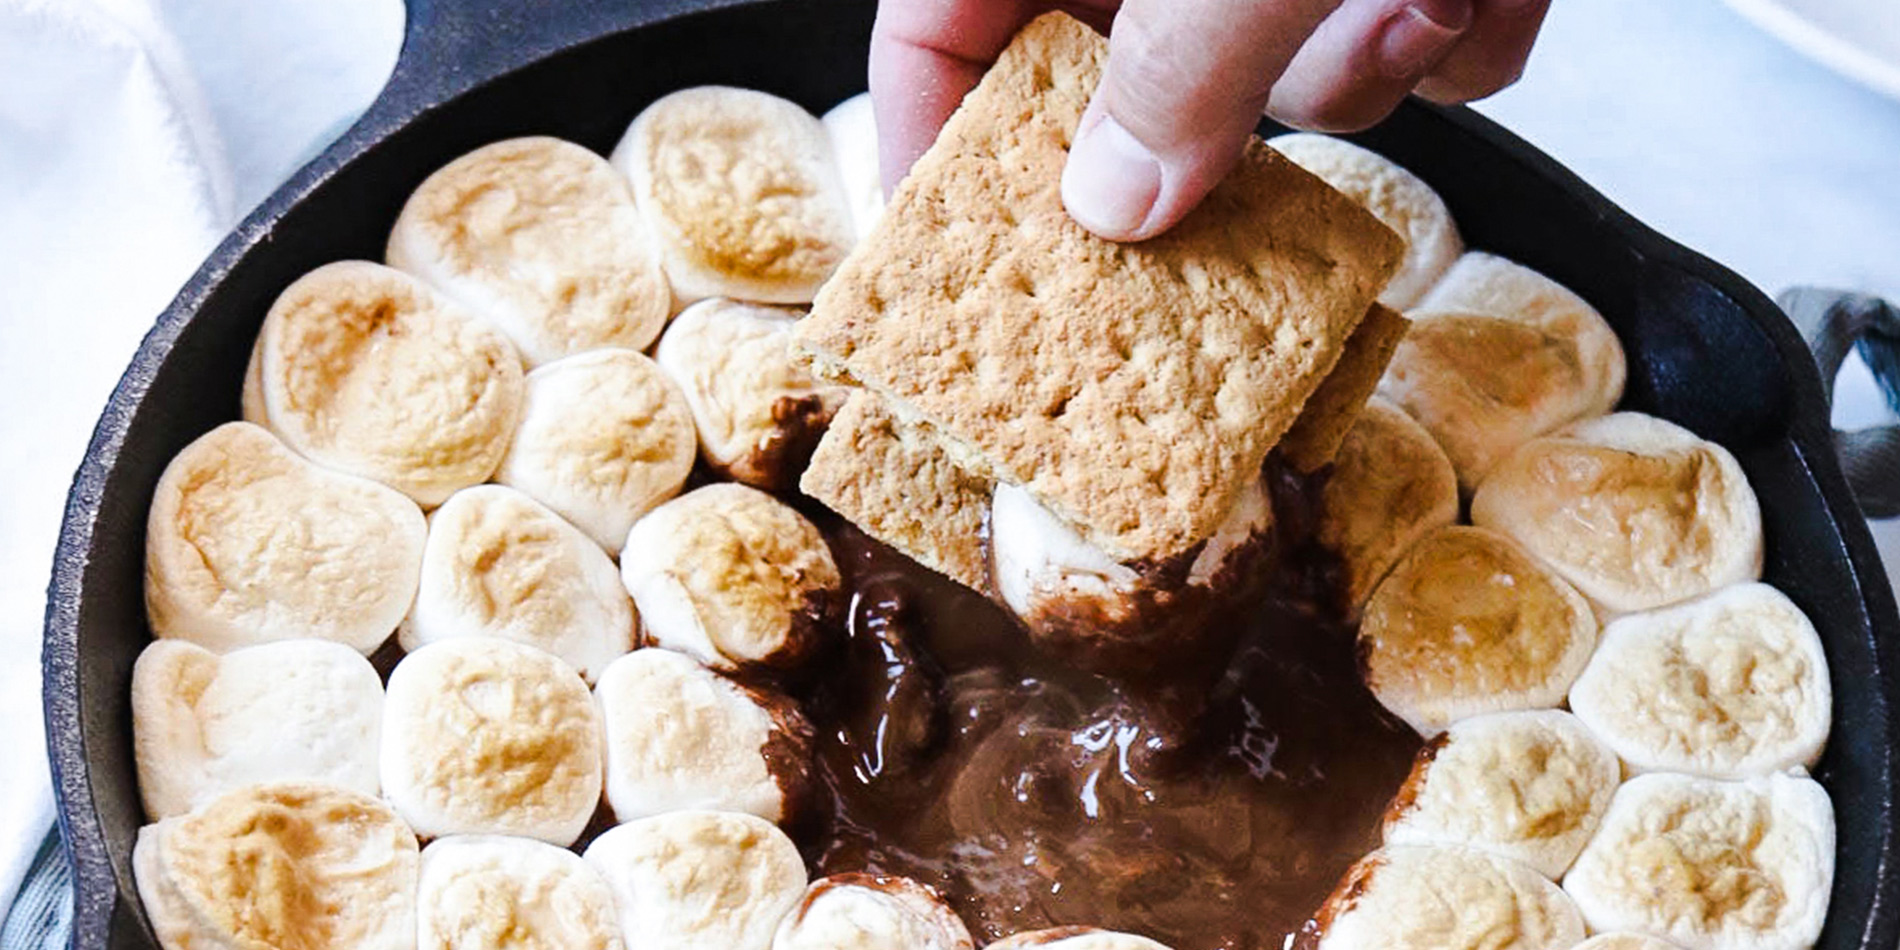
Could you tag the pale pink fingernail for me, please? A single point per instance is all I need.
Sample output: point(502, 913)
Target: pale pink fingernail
point(1411, 41)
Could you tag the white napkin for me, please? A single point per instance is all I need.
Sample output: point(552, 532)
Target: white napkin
point(133, 135)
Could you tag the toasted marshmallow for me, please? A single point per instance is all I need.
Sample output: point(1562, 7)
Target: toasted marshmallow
point(1395, 196)
point(1391, 485)
point(733, 577)
point(1078, 938)
point(487, 736)
point(604, 437)
point(1493, 286)
point(1624, 940)
point(500, 564)
point(364, 369)
point(541, 238)
point(495, 891)
point(759, 412)
point(1498, 355)
point(246, 543)
point(284, 865)
point(739, 191)
point(871, 912)
point(681, 737)
point(1711, 865)
point(1077, 599)
point(1483, 385)
point(296, 710)
point(1728, 686)
point(852, 128)
point(1470, 623)
point(1638, 513)
point(700, 880)
point(1530, 786)
point(1412, 896)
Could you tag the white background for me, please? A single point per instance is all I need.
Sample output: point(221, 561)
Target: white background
point(133, 133)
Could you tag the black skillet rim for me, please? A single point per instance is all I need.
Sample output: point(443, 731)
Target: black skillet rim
point(476, 50)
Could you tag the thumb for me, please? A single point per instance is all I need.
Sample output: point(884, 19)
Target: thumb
point(1184, 87)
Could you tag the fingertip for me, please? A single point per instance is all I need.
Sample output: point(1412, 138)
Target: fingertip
point(1364, 59)
point(1111, 181)
point(1492, 54)
point(1457, 85)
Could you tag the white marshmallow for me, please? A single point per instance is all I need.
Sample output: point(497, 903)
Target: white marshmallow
point(1637, 512)
point(1412, 897)
point(500, 564)
point(739, 191)
point(1530, 786)
point(307, 866)
point(246, 543)
point(700, 880)
point(1395, 196)
point(1470, 623)
point(1624, 940)
point(486, 736)
point(758, 411)
point(295, 710)
point(1711, 865)
point(1038, 559)
point(604, 437)
point(1048, 574)
point(364, 369)
point(494, 891)
point(1728, 686)
point(733, 577)
point(871, 912)
point(1077, 938)
point(852, 127)
point(541, 238)
point(681, 737)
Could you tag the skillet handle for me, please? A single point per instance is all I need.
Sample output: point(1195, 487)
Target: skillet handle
point(1833, 321)
point(450, 46)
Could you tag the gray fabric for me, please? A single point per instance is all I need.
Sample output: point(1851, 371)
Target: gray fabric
point(42, 914)
point(1833, 322)
point(1881, 351)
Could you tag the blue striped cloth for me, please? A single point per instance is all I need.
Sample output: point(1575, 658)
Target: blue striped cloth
point(42, 914)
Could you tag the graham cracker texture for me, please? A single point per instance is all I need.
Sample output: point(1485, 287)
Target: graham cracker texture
point(1134, 389)
point(1329, 413)
point(902, 489)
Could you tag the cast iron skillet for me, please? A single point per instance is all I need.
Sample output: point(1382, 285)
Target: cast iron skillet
point(1705, 349)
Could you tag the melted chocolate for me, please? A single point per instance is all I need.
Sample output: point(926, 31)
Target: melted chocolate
point(1208, 811)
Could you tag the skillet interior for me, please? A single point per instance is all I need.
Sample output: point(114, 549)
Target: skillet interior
point(1706, 350)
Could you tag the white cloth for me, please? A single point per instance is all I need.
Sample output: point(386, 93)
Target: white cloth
point(133, 135)
point(134, 132)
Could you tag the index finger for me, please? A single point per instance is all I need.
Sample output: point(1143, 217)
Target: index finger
point(926, 54)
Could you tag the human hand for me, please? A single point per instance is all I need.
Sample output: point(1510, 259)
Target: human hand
point(1187, 81)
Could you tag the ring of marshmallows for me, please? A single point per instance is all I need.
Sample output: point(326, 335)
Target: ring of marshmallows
point(456, 446)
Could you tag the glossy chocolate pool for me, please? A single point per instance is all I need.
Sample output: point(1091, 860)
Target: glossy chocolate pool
point(1214, 811)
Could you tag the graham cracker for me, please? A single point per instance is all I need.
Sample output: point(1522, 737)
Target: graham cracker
point(900, 488)
point(1134, 389)
point(1329, 413)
